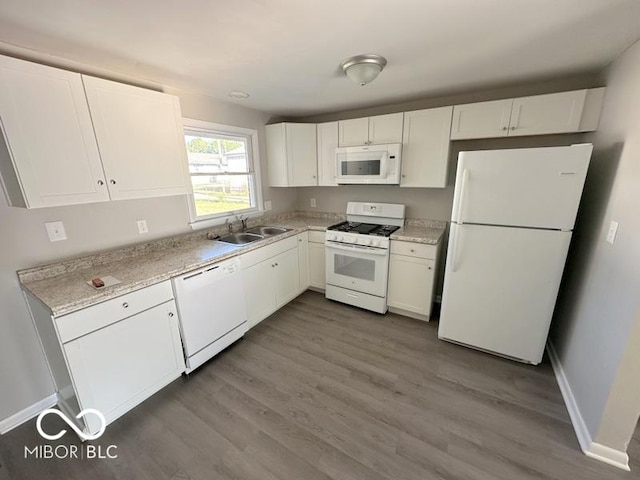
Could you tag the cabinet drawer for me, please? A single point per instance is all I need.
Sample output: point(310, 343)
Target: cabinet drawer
point(411, 249)
point(98, 316)
point(316, 236)
point(261, 254)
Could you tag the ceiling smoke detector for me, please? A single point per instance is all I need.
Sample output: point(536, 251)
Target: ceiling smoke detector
point(363, 69)
point(238, 95)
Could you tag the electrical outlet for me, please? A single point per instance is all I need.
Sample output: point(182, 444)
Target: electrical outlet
point(611, 234)
point(313, 203)
point(56, 231)
point(142, 227)
point(267, 205)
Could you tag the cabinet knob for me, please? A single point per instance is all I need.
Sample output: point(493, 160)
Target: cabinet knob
point(429, 268)
point(112, 182)
point(404, 176)
point(276, 264)
point(100, 182)
point(513, 128)
point(504, 128)
point(125, 305)
point(171, 314)
point(411, 250)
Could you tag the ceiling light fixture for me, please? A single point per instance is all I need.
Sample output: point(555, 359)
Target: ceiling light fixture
point(363, 69)
point(238, 95)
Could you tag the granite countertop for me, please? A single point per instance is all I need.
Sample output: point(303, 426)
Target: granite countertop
point(63, 289)
point(417, 234)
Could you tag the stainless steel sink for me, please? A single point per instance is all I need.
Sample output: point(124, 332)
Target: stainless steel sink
point(267, 231)
point(241, 238)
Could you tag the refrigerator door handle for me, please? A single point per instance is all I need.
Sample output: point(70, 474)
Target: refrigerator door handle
point(455, 240)
point(463, 188)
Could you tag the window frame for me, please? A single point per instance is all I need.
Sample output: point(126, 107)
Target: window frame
point(191, 125)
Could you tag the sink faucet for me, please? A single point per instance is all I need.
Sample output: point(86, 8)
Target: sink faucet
point(229, 225)
point(243, 221)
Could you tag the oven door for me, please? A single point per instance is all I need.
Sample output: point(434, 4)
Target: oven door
point(359, 268)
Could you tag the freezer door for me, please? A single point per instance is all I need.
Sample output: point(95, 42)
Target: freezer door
point(500, 288)
point(529, 187)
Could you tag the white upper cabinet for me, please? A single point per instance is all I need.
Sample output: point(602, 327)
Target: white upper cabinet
point(75, 139)
point(353, 132)
point(425, 149)
point(385, 128)
point(140, 137)
point(51, 157)
point(546, 114)
point(564, 112)
point(292, 154)
point(370, 130)
point(481, 120)
point(327, 144)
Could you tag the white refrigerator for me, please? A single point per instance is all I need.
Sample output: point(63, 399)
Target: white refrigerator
point(511, 225)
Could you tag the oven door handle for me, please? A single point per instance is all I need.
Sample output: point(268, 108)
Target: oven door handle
point(357, 248)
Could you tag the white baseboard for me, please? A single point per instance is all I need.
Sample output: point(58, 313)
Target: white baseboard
point(27, 414)
point(590, 448)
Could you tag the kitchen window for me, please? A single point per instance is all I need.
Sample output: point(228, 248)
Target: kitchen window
point(223, 165)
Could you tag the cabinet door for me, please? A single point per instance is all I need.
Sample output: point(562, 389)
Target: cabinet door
point(46, 123)
point(141, 139)
point(317, 267)
point(303, 260)
point(425, 149)
point(117, 367)
point(259, 291)
point(411, 284)
point(276, 139)
point(353, 132)
point(385, 128)
point(327, 144)
point(302, 157)
point(546, 114)
point(287, 276)
point(481, 120)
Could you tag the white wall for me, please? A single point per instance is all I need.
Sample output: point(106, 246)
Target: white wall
point(24, 377)
point(593, 329)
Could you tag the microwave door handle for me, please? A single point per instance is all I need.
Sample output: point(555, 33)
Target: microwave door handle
point(357, 248)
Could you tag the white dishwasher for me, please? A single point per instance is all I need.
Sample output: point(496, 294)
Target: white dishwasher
point(211, 309)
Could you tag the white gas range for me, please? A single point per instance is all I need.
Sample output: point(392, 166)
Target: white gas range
point(357, 254)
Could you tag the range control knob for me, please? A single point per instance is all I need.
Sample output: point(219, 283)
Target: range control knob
point(339, 239)
point(375, 243)
point(352, 240)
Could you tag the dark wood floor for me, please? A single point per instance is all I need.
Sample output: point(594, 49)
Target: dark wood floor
point(325, 391)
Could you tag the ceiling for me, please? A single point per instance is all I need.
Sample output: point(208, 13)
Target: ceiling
point(285, 53)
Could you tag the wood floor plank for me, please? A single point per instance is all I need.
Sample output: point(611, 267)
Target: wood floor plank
point(322, 391)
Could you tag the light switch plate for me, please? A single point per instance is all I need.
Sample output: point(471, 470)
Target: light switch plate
point(611, 234)
point(56, 231)
point(267, 205)
point(142, 227)
point(313, 203)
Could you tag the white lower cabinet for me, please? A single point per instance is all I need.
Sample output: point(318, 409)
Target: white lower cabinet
point(271, 278)
point(411, 279)
point(118, 366)
point(113, 355)
point(317, 267)
point(303, 260)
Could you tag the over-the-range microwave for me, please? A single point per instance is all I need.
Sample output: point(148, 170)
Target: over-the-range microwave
point(369, 164)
